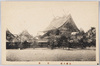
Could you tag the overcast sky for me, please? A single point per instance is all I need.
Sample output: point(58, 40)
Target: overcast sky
point(36, 16)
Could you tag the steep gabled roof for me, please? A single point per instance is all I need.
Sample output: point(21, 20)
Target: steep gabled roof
point(61, 26)
point(25, 36)
point(9, 36)
point(60, 21)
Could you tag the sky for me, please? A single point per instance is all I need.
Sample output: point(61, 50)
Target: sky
point(36, 16)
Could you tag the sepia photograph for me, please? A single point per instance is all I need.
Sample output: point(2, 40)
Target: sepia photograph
point(49, 32)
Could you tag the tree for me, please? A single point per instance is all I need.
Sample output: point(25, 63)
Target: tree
point(51, 41)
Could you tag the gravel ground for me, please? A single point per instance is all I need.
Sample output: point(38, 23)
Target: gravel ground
point(45, 54)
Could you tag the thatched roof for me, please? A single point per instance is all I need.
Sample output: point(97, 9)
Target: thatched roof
point(60, 21)
point(61, 26)
point(25, 36)
point(9, 36)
